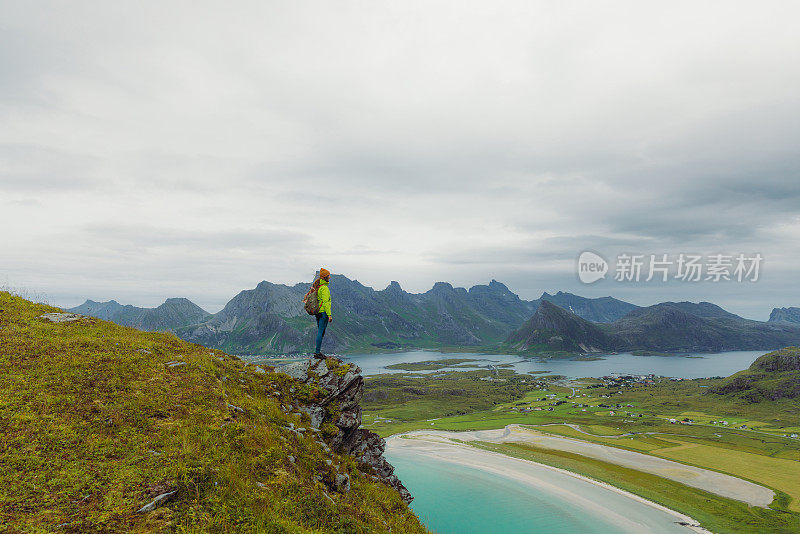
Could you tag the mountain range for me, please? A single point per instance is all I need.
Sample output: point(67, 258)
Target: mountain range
point(269, 319)
point(172, 314)
point(664, 327)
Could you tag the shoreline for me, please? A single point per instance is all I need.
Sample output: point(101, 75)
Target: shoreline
point(442, 446)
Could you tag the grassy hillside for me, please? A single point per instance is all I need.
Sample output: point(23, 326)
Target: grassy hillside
point(97, 419)
point(772, 376)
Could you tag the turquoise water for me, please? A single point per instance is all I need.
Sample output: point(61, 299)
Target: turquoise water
point(451, 498)
point(686, 365)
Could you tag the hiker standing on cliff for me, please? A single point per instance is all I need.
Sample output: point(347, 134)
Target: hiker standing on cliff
point(324, 314)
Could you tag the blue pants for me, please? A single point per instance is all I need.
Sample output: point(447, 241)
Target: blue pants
point(322, 324)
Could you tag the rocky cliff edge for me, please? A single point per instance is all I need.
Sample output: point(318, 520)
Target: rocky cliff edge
point(337, 417)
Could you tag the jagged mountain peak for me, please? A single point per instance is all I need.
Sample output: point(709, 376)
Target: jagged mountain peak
point(394, 288)
point(442, 286)
point(552, 328)
point(785, 315)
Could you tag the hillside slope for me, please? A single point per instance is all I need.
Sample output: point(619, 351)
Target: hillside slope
point(98, 421)
point(772, 376)
point(553, 328)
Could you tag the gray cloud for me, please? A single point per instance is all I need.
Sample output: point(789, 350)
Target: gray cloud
point(197, 149)
point(27, 167)
point(130, 236)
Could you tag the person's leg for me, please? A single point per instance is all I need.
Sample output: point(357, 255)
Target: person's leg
point(322, 324)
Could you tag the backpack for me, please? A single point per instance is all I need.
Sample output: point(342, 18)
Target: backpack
point(311, 302)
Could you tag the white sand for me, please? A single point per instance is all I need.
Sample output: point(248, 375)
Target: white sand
point(697, 477)
point(439, 445)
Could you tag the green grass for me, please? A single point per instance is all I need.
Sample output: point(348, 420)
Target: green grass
point(413, 397)
point(94, 424)
point(429, 365)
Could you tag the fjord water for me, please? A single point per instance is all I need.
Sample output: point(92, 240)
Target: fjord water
point(685, 365)
point(455, 499)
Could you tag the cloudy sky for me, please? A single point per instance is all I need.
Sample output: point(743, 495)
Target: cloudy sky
point(196, 148)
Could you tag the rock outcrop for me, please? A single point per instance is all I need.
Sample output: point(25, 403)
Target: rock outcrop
point(343, 388)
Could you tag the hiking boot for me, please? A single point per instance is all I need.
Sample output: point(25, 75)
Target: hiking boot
point(319, 356)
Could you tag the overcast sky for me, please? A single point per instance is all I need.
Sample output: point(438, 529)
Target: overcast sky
point(159, 149)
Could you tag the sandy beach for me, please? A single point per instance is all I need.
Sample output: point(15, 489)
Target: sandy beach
point(639, 515)
point(705, 479)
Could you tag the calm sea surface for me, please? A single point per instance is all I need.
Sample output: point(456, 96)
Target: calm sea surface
point(451, 498)
point(688, 365)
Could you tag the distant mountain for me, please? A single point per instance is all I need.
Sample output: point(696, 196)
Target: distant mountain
point(672, 327)
point(173, 313)
point(599, 310)
point(706, 310)
point(668, 327)
point(785, 315)
point(773, 376)
point(554, 328)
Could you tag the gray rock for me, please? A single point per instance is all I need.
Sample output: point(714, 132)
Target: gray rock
point(161, 499)
point(298, 370)
point(321, 368)
point(317, 414)
point(343, 483)
point(61, 317)
point(175, 364)
point(349, 418)
point(235, 408)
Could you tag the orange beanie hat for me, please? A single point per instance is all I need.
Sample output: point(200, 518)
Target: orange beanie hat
point(324, 272)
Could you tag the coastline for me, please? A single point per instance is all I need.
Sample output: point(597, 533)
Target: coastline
point(440, 444)
point(722, 484)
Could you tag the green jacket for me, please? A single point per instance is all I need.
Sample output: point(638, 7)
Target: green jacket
point(324, 297)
